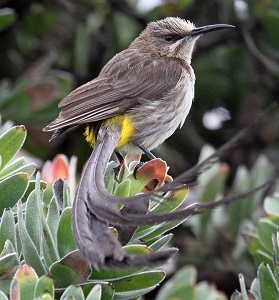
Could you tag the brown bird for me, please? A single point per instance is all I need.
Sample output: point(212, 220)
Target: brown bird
point(146, 90)
point(138, 100)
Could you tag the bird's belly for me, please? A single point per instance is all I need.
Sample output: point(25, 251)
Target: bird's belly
point(155, 121)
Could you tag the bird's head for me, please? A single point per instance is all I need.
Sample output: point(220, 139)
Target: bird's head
point(173, 37)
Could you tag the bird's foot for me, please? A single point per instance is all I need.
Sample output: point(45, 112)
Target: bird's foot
point(138, 165)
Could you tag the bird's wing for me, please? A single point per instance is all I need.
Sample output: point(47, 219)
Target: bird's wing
point(122, 84)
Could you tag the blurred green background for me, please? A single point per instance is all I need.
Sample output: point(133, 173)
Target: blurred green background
point(48, 48)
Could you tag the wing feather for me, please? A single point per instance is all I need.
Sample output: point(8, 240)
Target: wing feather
point(122, 84)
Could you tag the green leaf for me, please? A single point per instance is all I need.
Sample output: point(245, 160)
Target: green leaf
point(168, 204)
point(116, 274)
point(49, 237)
point(161, 242)
point(66, 195)
point(179, 292)
point(181, 286)
point(109, 180)
point(58, 271)
point(187, 274)
point(107, 291)
point(171, 201)
point(211, 191)
point(29, 169)
point(96, 293)
point(5, 286)
point(52, 219)
point(7, 228)
point(241, 182)
point(255, 288)
point(3, 296)
point(26, 280)
point(7, 264)
point(207, 176)
point(156, 230)
point(254, 244)
point(45, 252)
point(49, 240)
point(112, 274)
point(242, 286)
point(261, 256)
point(33, 217)
point(73, 292)
point(30, 253)
point(268, 285)
point(10, 143)
point(271, 205)
point(123, 189)
point(12, 189)
point(65, 239)
point(135, 285)
point(44, 285)
point(50, 249)
point(12, 167)
point(18, 242)
point(74, 265)
point(276, 273)
point(7, 18)
point(265, 229)
point(136, 249)
point(205, 291)
point(31, 187)
point(8, 249)
point(262, 170)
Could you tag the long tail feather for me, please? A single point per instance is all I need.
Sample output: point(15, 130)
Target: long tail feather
point(94, 206)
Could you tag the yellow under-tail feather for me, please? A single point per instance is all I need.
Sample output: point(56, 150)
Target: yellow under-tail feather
point(125, 123)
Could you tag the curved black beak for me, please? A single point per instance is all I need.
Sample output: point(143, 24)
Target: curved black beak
point(209, 28)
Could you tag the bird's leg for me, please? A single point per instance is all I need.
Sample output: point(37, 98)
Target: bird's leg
point(117, 169)
point(137, 166)
point(148, 153)
point(119, 156)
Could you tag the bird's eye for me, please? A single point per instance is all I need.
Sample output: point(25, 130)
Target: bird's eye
point(169, 38)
